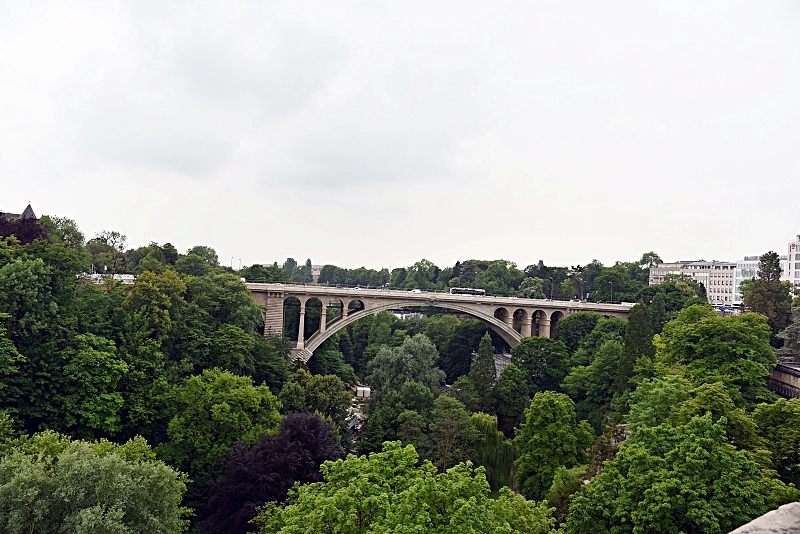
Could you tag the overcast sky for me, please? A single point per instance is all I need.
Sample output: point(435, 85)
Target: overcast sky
point(379, 133)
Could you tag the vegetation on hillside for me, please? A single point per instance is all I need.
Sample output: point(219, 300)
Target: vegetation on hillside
point(160, 406)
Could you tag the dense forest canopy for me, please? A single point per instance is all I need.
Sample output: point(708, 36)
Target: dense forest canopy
point(158, 399)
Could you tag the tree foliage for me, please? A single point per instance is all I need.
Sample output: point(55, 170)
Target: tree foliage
point(216, 410)
point(51, 484)
point(671, 479)
point(638, 344)
point(550, 437)
point(483, 372)
point(767, 295)
point(544, 361)
point(574, 327)
point(414, 360)
point(733, 350)
point(267, 470)
point(510, 398)
point(388, 492)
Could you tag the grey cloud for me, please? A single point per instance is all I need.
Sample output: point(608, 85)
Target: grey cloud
point(187, 103)
point(409, 116)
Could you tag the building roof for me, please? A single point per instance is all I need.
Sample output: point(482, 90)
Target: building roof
point(27, 214)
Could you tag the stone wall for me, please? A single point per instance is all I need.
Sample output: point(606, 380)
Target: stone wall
point(785, 519)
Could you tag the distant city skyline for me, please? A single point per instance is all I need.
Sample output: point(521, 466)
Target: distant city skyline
point(379, 133)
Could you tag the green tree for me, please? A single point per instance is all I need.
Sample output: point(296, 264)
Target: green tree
point(216, 409)
point(384, 410)
point(544, 361)
point(790, 336)
point(456, 356)
point(263, 273)
point(492, 451)
point(91, 374)
point(658, 312)
point(733, 350)
point(289, 266)
point(592, 386)
point(566, 482)
point(412, 430)
point(464, 390)
point(451, 432)
point(154, 306)
point(653, 402)
point(714, 399)
point(671, 479)
point(49, 484)
point(768, 296)
point(531, 288)
point(421, 275)
point(208, 254)
point(511, 397)
point(10, 358)
point(650, 260)
point(550, 437)
point(63, 230)
point(414, 360)
point(638, 344)
point(192, 264)
point(607, 329)
point(108, 252)
point(483, 372)
point(303, 274)
point(329, 360)
point(389, 492)
point(325, 395)
point(500, 277)
point(779, 426)
point(574, 327)
point(441, 329)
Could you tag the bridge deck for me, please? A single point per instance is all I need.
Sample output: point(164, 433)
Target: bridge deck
point(511, 318)
point(428, 298)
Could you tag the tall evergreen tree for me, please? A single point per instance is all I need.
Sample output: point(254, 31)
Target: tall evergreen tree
point(638, 343)
point(658, 312)
point(511, 397)
point(768, 296)
point(484, 371)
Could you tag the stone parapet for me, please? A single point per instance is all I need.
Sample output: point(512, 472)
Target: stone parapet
point(784, 520)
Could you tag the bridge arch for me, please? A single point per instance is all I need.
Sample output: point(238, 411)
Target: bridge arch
point(508, 334)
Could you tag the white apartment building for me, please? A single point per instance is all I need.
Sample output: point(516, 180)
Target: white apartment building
point(793, 264)
point(747, 269)
point(716, 276)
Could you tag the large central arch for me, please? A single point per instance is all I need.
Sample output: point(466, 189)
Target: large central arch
point(509, 335)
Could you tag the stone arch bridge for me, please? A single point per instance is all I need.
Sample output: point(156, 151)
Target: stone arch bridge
point(510, 317)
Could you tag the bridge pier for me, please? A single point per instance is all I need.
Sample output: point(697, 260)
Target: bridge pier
point(544, 328)
point(527, 330)
point(301, 342)
point(323, 318)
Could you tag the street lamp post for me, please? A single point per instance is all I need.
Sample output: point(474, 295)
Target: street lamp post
point(612, 290)
point(551, 288)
